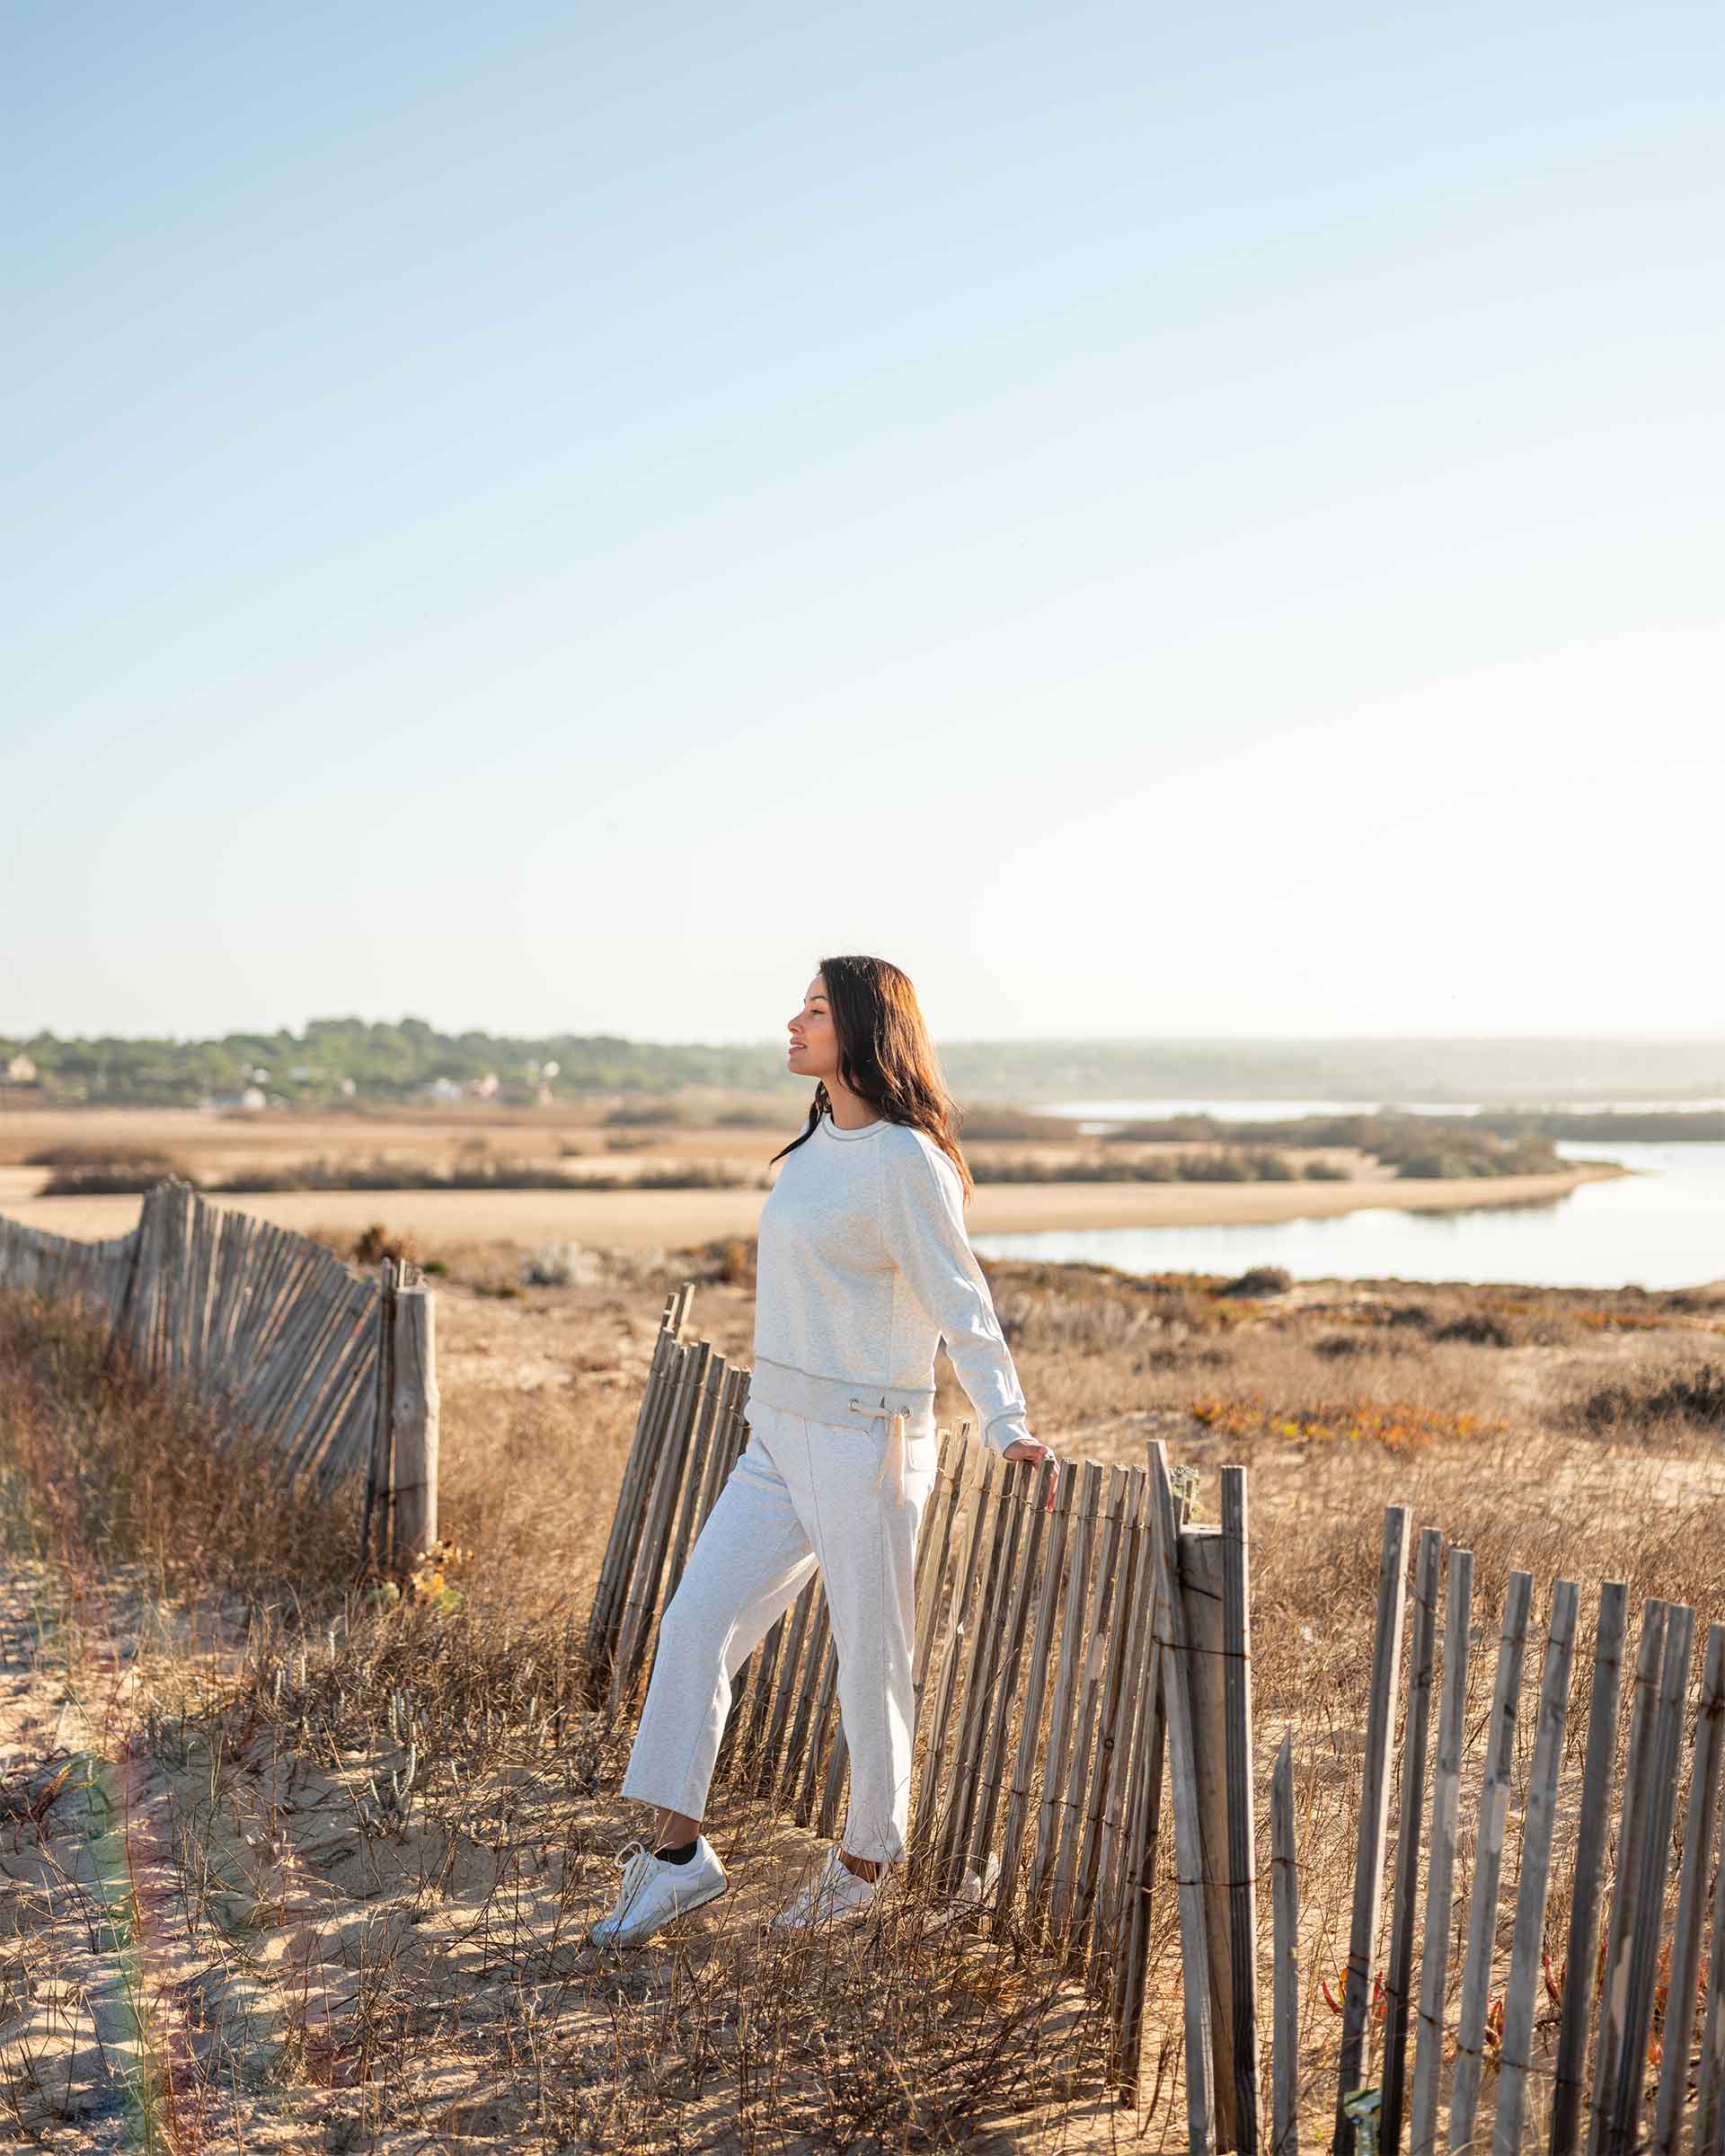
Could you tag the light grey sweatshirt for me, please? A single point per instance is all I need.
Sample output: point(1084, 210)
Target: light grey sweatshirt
point(863, 1267)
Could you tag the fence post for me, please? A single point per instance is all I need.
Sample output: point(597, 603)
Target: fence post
point(414, 1408)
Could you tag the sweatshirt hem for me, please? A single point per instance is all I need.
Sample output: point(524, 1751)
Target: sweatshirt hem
point(840, 1399)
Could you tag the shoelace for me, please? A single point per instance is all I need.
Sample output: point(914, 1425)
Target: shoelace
point(636, 1859)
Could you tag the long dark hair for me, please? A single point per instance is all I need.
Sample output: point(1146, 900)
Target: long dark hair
point(885, 1056)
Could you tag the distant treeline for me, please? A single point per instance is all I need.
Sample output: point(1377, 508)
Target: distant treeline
point(1633, 1126)
point(355, 1059)
point(337, 1059)
point(1429, 1147)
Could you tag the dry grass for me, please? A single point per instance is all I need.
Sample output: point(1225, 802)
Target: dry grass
point(346, 1844)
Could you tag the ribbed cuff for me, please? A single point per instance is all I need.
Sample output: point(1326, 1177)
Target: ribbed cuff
point(1009, 1427)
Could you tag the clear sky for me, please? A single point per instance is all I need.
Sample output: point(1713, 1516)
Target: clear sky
point(1158, 520)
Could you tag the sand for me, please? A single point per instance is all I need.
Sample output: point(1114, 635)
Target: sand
point(672, 1219)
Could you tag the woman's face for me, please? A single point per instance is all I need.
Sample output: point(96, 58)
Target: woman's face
point(814, 1041)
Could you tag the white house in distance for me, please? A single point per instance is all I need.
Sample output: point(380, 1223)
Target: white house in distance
point(251, 1101)
point(20, 1070)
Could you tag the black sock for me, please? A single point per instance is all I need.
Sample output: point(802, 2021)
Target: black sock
point(668, 1855)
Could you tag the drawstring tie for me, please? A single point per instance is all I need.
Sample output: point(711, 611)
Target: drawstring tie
point(893, 1456)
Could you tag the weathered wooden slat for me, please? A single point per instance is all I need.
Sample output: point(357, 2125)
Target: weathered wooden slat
point(1710, 2091)
point(1440, 1865)
point(378, 1508)
point(347, 1447)
point(1568, 2086)
point(283, 1362)
point(1488, 1862)
point(833, 1784)
point(991, 1708)
point(289, 1270)
point(1202, 1591)
point(1068, 1662)
point(1143, 1812)
point(1522, 1991)
point(933, 1550)
point(1398, 1984)
point(801, 1618)
point(1087, 1705)
point(822, 1649)
point(1034, 1496)
point(301, 1346)
point(1608, 2063)
point(176, 1216)
point(713, 1392)
point(1108, 1929)
point(1144, 1833)
point(330, 1425)
point(304, 1412)
point(1691, 1896)
point(1004, 1529)
point(931, 1783)
point(1374, 1816)
point(1195, 1984)
point(1285, 1976)
point(1048, 1601)
point(1664, 1753)
point(1242, 1840)
point(233, 1240)
point(641, 1604)
point(826, 1699)
point(1116, 1709)
point(305, 1428)
point(622, 1545)
point(729, 1440)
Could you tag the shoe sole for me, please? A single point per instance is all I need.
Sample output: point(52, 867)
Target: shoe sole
point(631, 1938)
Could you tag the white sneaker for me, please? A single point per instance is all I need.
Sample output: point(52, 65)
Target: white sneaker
point(655, 1891)
point(833, 1891)
point(977, 1888)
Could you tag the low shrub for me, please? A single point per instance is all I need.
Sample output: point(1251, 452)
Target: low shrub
point(1480, 1327)
point(1259, 1280)
point(1696, 1395)
point(82, 1172)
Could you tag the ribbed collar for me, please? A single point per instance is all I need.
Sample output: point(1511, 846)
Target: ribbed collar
point(845, 1136)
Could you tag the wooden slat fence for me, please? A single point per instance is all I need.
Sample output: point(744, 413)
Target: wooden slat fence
point(1605, 2027)
point(1070, 1663)
point(1040, 1719)
point(337, 1372)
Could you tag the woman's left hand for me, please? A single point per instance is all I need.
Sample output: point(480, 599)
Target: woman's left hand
point(1033, 1450)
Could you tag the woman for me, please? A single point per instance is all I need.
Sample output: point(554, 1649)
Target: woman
point(862, 1268)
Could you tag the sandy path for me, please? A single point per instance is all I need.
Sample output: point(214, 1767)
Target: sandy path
point(670, 1219)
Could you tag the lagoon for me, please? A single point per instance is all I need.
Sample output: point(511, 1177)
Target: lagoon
point(1662, 1226)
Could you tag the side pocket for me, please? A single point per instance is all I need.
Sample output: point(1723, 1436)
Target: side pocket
point(922, 1452)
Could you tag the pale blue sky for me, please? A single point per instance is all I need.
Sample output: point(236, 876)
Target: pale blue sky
point(1158, 520)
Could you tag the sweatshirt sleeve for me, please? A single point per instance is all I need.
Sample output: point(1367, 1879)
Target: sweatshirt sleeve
point(922, 1223)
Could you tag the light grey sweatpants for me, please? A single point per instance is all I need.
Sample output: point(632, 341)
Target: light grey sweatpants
point(800, 1496)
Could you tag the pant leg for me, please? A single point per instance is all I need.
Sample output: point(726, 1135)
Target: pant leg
point(751, 1559)
point(866, 1542)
